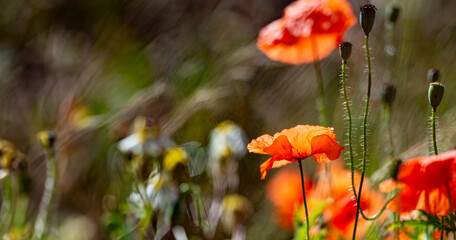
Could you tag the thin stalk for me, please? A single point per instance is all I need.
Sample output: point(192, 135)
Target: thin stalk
point(350, 145)
point(443, 230)
point(389, 131)
point(321, 104)
point(366, 111)
point(304, 198)
point(434, 138)
point(8, 203)
point(45, 207)
point(451, 216)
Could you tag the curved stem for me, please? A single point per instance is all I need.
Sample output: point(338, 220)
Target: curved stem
point(434, 138)
point(350, 146)
point(366, 111)
point(304, 198)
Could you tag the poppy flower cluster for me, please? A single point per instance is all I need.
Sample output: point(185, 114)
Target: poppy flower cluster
point(297, 143)
point(308, 31)
point(427, 183)
point(339, 216)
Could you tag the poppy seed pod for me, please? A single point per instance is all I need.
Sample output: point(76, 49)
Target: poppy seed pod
point(395, 168)
point(367, 17)
point(345, 49)
point(46, 138)
point(388, 94)
point(392, 13)
point(433, 75)
point(435, 94)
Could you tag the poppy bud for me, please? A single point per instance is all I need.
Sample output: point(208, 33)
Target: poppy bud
point(435, 94)
point(345, 49)
point(367, 17)
point(388, 94)
point(395, 168)
point(392, 13)
point(46, 138)
point(433, 75)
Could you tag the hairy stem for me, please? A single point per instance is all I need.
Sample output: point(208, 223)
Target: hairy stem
point(366, 111)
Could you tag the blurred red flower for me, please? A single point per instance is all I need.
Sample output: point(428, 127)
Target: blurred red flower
point(426, 183)
point(308, 31)
point(284, 191)
point(296, 143)
point(340, 214)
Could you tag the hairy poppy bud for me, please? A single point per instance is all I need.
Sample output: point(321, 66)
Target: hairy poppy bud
point(435, 94)
point(367, 17)
point(345, 50)
point(392, 13)
point(388, 94)
point(433, 75)
point(46, 138)
point(395, 168)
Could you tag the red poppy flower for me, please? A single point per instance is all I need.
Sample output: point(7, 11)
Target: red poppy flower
point(308, 31)
point(425, 182)
point(296, 143)
point(284, 191)
point(341, 212)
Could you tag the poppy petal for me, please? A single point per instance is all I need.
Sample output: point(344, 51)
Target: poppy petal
point(281, 163)
point(390, 185)
point(325, 148)
point(280, 148)
point(259, 144)
point(434, 201)
point(266, 166)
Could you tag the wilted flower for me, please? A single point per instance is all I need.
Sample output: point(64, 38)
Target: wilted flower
point(227, 140)
point(11, 157)
point(236, 210)
point(295, 144)
point(308, 31)
point(227, 143)
point(145, 139)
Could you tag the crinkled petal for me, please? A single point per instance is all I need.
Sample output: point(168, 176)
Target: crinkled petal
point(258, 145)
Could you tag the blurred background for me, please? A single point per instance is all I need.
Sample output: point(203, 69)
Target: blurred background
point(87, 69)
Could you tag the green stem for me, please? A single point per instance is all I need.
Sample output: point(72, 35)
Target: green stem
point(45, 207)
point(8, 204)
point(321, 95)
point(443, 230)
point(389, 130)
point(434, 138)
point(304, 198)
point(366, 111)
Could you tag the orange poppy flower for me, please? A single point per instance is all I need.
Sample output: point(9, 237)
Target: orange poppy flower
point(425, 182)
point(284, 191)
point(296, 143)
point(341, 212)
point(308, 31)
